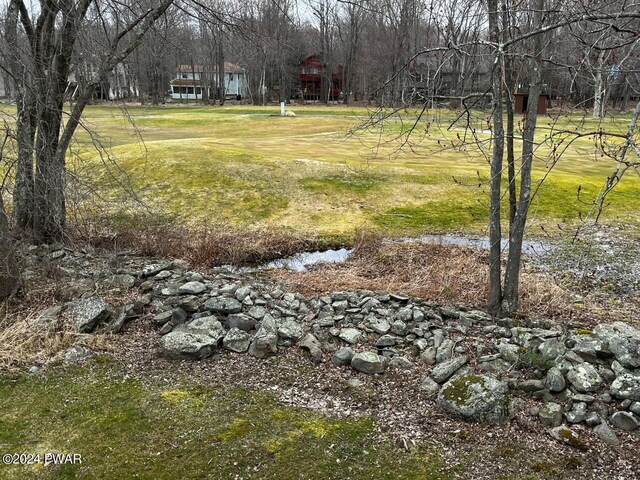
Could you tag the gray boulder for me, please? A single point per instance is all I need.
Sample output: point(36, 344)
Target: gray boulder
point(368, 362)
point(555, 381)
point(187, 345)
point(606, 434)
point(241, 321)
point(401, 363)
point(265, 341)
point(627, 386)
point(192, 288)
point(236, 340)
point(585, 378)
point(209, 326)
point(624, 421)
point(90, 312)
point(312, 346)
point(350, 335)
point(223, 305)
point(443, 371)
point(477, 398)
point(343, 356)
point(289, 329)
point(623, 341)
point(551, 414)
point(430, 387)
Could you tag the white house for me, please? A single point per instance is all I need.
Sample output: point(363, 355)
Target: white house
point(192, 81)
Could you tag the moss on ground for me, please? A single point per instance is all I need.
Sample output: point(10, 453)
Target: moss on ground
point(124, 428)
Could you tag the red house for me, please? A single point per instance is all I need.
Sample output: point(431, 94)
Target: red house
point(311, 73)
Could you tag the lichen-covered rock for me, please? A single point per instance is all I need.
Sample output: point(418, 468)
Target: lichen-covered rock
point(627, 386)
point(550, 414)
point(289, 329)
point(236, 340)
point(210, 326)
point(477, 398)
point(368, 362)
point(350, 335)
point(186, 345)
point(430, 387)
point(400, 362)
point(567, 436)
point(585, 378)
point(606, 434)
point(623, 341)
point(555, 381)
point(192, 288)
point(90, 312)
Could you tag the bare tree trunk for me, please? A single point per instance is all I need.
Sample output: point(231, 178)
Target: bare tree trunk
point(599, 94)
point(495, 232)
point(516, 235)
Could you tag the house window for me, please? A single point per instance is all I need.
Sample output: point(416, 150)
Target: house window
point(198, 91)
point(184, 75)
point(189, 90)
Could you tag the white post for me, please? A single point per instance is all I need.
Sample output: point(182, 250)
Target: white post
point(282, 109)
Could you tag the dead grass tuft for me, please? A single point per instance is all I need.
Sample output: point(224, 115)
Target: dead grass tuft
point(26, 340)
point(204, 246)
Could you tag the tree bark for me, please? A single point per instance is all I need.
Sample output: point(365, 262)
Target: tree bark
point(495, 232)
point(516, 235)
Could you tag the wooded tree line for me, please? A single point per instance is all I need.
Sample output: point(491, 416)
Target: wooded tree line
point(392, 52)
point(370, 43)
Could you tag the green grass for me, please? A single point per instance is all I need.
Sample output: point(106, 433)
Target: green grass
point(240, 164)
point(126, 429)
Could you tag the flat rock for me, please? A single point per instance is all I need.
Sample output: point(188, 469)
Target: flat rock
point(444, 370)
point(90, 312)
point(186, 345)
point(624, 421)
point(477, 398)
point(567, 436)
point(368, 362)
point(192, 288)
point(223, 305)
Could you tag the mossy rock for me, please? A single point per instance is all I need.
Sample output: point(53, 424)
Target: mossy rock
point(477, 398)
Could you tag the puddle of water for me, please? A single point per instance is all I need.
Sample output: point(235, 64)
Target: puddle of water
point(530, 247)
point(302, 261)
point(298, 263)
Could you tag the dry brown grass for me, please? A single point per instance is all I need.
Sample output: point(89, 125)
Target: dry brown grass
point(25, 341)
point(443, 273)
point(204, 246)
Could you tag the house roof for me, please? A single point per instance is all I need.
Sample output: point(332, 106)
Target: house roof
point(228, 68)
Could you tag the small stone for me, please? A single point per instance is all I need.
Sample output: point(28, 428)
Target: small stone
point(401, 363)
point(606, 434)
point(186, 345)
point(343, 356)
point(445, 351)
point(399, 327)
point(242, 293)
point(555, 381)
point(236, 340)
point(265, 341)
point(368, 362)
point(624, 421)
point(192, 288)
point(380, 326)
point(593, 419)
point(551, 414)
point(429, 356)
point(310, 344)
point(77, 354)
point(257, 312)
point(627, 386)
point(443, 371)
point(241, 321)
point(509, 352)
point(386, 341)
point(430, 387)
point(635, 408)
point(530, 385)
point(223, 305)
point(209, 326)
point(578, 413)
point(290, 330)
point(350, 335)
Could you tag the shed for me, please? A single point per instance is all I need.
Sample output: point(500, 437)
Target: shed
point(522, 102)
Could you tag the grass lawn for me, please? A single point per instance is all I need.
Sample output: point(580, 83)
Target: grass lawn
point(243, 165)
point(124, 429)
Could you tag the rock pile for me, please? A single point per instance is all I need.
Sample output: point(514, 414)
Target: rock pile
point(476, 364)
